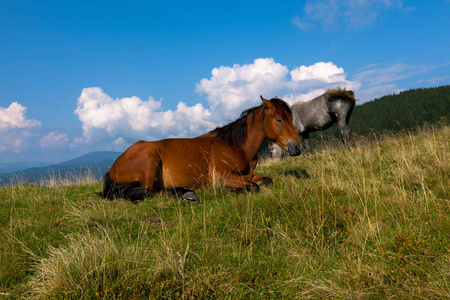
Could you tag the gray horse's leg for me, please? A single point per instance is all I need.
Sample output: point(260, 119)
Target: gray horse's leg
point(345, 131)
point(277, 152)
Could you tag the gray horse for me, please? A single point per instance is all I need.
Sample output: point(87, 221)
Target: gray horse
point(335, 106)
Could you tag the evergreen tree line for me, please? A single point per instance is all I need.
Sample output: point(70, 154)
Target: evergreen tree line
point(406, 110)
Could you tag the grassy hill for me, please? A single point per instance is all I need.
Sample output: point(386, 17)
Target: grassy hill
point(372, 222)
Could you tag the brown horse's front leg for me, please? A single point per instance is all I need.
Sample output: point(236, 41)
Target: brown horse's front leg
point(250, 188)
point(263, 180)
point(254, 178)
point(236, 183)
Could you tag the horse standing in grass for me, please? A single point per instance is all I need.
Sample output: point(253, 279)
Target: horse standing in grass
point(335, 106)
point(227, 153)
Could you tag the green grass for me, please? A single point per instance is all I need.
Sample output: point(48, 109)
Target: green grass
point(372, 222)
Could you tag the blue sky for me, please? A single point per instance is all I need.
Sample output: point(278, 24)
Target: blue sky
point(99, 75)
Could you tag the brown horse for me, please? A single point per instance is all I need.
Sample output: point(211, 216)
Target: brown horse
point(227, 153)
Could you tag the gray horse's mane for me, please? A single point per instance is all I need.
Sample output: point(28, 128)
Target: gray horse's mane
point(341, 93)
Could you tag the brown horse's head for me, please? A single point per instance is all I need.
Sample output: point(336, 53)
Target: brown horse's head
point(278, 126)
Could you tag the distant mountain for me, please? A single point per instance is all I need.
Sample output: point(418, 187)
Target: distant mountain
point(94, 157)
point(93, 164)
point(14, 167)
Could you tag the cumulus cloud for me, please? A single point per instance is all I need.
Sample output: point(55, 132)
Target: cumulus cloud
point(13, 140)
point(118, 122)
point(15, 128)
point(308, 82)
point(326, 72)
point(231, 89)
point(54, 139)
point(14, 117)
point(332, 14)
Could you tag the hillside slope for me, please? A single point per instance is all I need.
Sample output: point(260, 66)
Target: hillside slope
point(372, 222)
point(406, 110)
point(395, 113)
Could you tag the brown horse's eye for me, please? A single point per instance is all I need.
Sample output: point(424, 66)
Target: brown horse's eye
point(280, 121)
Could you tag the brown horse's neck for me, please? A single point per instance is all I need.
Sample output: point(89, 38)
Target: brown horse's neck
point(255, 134)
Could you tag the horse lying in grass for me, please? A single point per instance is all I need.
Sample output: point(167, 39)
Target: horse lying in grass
point(227, 153)
point(335, 106)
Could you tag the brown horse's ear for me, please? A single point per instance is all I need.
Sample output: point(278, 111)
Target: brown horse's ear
point(267, 103)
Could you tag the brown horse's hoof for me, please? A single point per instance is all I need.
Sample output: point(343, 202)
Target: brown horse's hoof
point(267, 181)
point(185, 194)
point(253, 187)
point(191, 196)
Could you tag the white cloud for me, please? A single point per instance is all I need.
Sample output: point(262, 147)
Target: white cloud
point(434, 80)
point(379, 75)
point(326, 72)
point(378, 80)
point(119, 122)
point(54, 139)
point(302, 24)
point(333, 14)
point(14, 117)
point(370, 93)
point(232, 89)
point(15, 129)
point(309, 82)
point(120, 143)
point(13, 141)
point(301, 97)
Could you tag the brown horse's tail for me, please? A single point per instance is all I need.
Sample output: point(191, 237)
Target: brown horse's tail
point(132, 191)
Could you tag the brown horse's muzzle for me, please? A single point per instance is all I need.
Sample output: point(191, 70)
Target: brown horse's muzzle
point(294, 148)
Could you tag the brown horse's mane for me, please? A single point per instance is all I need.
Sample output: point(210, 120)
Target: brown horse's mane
point(341, 93)
point(235, 133)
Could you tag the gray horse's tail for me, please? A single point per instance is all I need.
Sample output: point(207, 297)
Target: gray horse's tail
point(132, 191)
